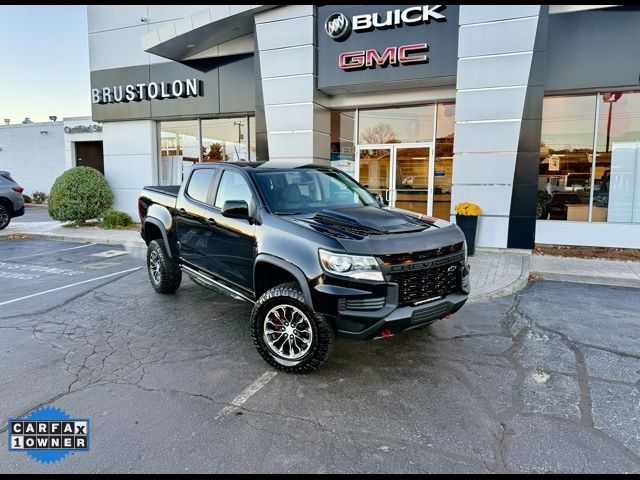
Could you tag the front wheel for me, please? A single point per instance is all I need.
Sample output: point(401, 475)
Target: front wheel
point(164, 273)
point(287, 333)
point(4, 217)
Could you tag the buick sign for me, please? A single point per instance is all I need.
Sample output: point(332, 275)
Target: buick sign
point(337, 26)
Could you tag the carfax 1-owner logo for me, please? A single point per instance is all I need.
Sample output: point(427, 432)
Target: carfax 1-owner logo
point(48, 435)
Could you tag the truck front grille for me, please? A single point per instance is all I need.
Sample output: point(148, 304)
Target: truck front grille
point(420, 285)
point(396, 258)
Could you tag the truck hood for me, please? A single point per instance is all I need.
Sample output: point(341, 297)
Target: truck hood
point(372, 230)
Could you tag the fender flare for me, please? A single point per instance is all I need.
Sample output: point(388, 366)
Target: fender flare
point(290, 268)
point(163, 232)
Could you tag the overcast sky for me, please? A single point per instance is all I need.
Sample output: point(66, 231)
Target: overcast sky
point(44, 67)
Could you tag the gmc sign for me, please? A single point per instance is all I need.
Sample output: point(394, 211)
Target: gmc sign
point(391, 56)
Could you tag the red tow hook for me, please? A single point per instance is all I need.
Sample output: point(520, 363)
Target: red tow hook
point(447, 316)
point(386, 333)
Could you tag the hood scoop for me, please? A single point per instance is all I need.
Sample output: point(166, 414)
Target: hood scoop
point(364, 221)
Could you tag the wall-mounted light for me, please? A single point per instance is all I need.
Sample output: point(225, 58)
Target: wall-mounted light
point(44, 132)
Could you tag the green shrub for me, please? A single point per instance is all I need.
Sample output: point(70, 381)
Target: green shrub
point(114, 219)
point(79, 194)
point(26, 198)
point(39, 197)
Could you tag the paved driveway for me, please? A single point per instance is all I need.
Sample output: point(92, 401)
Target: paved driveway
point(543, 381)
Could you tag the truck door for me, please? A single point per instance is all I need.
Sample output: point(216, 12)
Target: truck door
point(233, 254)
point(194, 217)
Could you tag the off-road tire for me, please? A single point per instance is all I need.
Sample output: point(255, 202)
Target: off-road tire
point(323, 332)
point(169, 275)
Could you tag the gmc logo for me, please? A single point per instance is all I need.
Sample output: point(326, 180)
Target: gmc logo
point(406, 54)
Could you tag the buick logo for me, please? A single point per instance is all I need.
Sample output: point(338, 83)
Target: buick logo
point(337, 26)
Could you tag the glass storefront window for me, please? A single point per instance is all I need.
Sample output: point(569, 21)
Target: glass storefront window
point(616, 182)
point(443, 168)
point(566, 154)
point(225, 140)
point(179, 149)
point(342, 145)
point(396, 125)
point(574, 186)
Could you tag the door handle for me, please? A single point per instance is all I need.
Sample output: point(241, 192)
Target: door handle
point(211, 222)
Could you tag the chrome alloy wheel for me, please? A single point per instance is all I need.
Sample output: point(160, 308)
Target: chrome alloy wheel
point(287, 332)
point(4, 218)
point(154, 266)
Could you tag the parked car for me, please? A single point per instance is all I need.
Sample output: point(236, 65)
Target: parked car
point(315, 253)
point(11, 200)
point(576, 182)
point(556, 205)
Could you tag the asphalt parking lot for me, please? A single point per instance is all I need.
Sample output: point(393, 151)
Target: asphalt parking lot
point(547, 380)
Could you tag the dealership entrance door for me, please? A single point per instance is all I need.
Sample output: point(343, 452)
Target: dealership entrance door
point(401, 173)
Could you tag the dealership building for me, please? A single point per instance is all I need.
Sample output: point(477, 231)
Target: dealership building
point(530, 111)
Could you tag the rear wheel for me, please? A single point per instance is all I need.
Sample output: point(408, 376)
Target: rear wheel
point(4, 217)
point(164, 273)
point(287, 333)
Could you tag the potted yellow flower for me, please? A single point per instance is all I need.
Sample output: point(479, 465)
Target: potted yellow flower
point(467, 214)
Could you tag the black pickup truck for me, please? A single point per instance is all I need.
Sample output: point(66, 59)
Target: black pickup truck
point(317, 255)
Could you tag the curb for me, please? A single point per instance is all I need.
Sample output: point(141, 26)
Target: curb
point(587, 279)
point(107, 241)
point(512, 288)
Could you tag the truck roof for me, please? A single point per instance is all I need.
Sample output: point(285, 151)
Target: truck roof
point(271, 164)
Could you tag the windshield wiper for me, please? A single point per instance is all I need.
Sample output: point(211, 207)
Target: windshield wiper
point(288, 213)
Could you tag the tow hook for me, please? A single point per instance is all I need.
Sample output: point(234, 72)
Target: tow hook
point(384, 333)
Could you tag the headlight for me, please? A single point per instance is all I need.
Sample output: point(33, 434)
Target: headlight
point(464, 243)
point(354, 266)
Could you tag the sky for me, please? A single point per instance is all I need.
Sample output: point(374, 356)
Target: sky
point(44, 62)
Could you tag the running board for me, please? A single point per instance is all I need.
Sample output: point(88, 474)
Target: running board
point(208, 280)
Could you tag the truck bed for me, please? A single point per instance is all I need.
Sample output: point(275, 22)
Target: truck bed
point(171, 190)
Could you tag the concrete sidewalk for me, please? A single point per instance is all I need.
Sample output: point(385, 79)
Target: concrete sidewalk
point(582, 270)
point(497, 273)
point(53, 230)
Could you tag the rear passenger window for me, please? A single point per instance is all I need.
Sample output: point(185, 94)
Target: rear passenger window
point(200, 184)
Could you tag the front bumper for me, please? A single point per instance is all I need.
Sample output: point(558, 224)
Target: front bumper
point(333, 295)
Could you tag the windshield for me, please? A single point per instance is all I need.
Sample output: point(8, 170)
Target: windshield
point(310, 190)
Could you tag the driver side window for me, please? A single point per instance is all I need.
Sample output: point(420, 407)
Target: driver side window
point(232, 187)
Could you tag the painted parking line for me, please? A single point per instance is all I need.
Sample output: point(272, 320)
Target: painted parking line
point(54, 251)
point(68, 286)
point(247, 393)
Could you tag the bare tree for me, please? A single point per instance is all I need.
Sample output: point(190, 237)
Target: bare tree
point(381, 133)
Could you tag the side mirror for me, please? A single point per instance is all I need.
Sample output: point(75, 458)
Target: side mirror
point(235, 209)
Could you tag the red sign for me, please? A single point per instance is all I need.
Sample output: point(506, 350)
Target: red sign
point(405, 54)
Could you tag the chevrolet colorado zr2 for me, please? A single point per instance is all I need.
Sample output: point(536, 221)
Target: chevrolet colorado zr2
point(317, 255)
